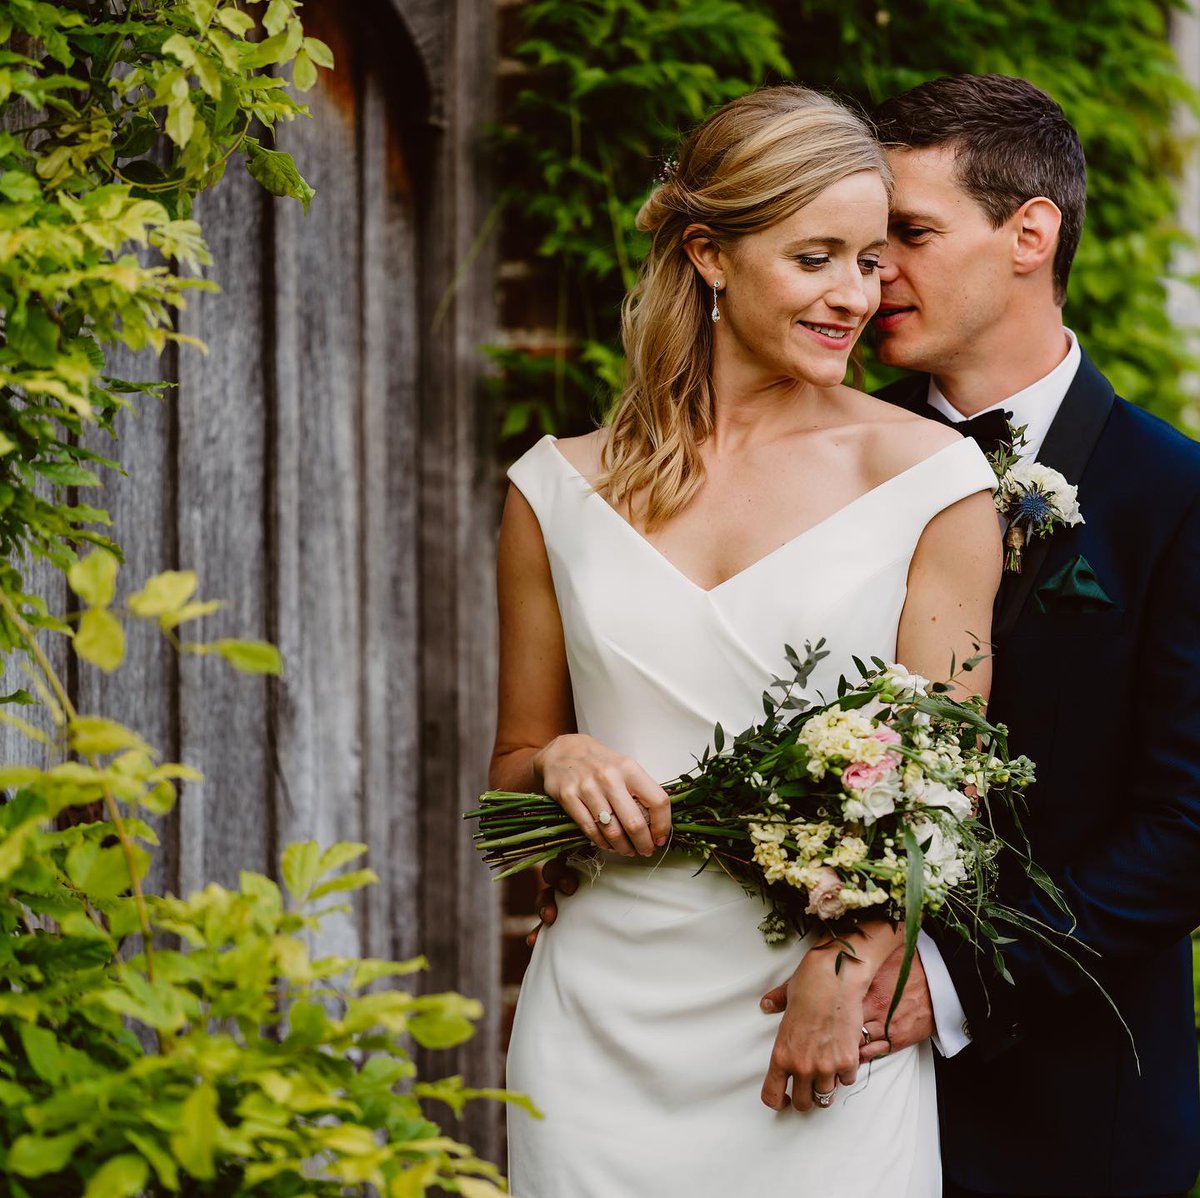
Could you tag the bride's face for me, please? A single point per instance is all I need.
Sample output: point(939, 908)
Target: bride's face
point(798, 294)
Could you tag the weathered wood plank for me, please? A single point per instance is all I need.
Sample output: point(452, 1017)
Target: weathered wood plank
point(141, 502)
point(316, 451)
point(226, 822)
point(391, 696)
point(460, 903)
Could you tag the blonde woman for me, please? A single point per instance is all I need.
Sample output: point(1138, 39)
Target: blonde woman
point(742, 497)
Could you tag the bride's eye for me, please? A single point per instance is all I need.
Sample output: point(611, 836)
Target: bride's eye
point(812, 261)
point(868, 265)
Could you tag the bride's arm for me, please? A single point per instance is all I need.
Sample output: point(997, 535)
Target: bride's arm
point(952, 584)
point(537, 747)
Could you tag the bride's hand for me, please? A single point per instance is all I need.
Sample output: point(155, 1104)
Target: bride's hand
point(588, 779)
point(816, 1046)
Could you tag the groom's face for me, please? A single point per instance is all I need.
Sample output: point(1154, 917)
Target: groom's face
point(946, 272)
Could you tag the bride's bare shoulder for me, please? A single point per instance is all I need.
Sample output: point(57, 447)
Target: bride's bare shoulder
point(584, 452)
point(898, 439)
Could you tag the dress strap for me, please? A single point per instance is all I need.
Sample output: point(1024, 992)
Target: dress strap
point(551, 485)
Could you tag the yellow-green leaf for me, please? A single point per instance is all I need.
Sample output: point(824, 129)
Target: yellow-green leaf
point(251, 657)
point(301, 867)
point(35, 1156)
point(304, 74)
point(319, 52)
point(119, 1177)
point(93, 735)
point(100, 639)
point(164, 593)
point(94, 578)
point(237, 22)
point(339, 854)
point(356, 879)
point(278, 12)
point(159, 1159)
point(190, 611)
point(196, 1139)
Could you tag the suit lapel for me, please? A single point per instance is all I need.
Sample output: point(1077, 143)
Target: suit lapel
point(1069, 443)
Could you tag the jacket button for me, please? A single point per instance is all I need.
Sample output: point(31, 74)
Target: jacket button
point(966, 1029)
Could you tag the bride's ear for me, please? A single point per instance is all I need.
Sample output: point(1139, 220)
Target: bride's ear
point(701, 246)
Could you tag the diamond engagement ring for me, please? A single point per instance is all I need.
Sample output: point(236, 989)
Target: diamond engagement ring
point(823, 1099)
point(604, 818)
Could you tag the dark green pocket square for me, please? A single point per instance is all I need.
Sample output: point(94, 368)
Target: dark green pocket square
point(1074, 587)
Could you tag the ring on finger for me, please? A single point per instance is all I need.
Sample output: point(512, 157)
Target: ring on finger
point(604, 817)
point(866, 1035)
point(823, 1098)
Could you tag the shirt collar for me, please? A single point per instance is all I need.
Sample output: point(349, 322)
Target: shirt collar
point(1035, 406)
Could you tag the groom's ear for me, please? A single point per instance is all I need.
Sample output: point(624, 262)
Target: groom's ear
point(701, 246)
point(1035, 226)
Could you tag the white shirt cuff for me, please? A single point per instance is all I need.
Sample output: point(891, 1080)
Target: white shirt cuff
point(951, 1034)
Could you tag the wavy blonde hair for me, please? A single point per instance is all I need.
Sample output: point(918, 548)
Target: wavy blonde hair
point(753, 163)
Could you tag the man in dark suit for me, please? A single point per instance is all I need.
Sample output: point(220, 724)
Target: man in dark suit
point(1096, 669)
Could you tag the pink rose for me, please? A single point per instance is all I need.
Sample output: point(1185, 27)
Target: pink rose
point(889, 736)
point(825, 898)
point(861, 776)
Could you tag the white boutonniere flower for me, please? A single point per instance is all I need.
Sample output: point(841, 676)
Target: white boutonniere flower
point(1034, 499)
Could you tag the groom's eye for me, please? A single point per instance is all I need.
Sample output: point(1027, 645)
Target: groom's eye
point(912, 234)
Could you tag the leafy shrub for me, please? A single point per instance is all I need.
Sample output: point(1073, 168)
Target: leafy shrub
point(614, 82)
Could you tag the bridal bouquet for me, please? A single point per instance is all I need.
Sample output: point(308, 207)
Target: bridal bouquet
point(878, 803)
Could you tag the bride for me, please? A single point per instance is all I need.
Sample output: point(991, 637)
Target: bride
point(742, 497)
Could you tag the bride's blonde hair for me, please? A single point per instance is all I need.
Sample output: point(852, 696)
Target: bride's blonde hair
point(753, 163)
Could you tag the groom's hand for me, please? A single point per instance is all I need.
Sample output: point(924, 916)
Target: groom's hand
point(558, 876)
point(912, 1023)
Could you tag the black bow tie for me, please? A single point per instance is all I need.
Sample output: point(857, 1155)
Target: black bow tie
point(989, 429)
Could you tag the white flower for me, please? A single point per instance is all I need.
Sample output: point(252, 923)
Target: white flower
point(1030, 475)
point(769, 833)
point(943, 852)
point(934, 794)
point(905, 685)
point(879, 800)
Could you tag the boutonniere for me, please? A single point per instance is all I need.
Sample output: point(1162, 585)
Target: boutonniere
point(1034, 499)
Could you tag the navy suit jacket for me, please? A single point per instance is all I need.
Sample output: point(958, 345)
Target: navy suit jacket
point(1105, 698)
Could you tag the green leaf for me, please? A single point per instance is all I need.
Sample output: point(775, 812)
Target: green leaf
point(304, 74)
point(94, 578)
point(195, 1142)
point(319, 52)
point(93, 735)
point(100, 639)
point(447, 1022)
point(35, 1156)
point(301, 865)
point(238, 23)
point(356, 879)
point(190, 611)
point(337, 855)
point(278, 14)
point(164, 593)
point(276, 171)
point(164, 1167)
point(120, 1177)
point(251, 657)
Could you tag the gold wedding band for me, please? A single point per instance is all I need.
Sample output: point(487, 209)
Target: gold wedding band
point(866, 1035)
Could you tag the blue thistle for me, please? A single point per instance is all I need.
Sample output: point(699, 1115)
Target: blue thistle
point(1032, 509)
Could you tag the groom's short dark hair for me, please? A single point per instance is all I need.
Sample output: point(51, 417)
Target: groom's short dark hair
point(1012, 143)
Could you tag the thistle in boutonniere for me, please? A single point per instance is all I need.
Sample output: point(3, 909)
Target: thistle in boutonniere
point(1034, 499)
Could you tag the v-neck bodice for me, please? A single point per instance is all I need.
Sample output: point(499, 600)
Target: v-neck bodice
point(657, 660)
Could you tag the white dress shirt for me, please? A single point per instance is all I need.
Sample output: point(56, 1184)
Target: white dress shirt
point(1035, 407)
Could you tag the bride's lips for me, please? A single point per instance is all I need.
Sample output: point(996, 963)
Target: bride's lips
point(887, 319)
point(842, 333)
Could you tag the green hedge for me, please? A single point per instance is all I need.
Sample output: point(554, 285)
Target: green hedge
point(615, 81)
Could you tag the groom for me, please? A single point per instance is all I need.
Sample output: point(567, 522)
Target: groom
point(1096, 668)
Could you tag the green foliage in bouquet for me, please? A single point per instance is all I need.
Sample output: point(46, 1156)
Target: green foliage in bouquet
point(890, 800)
point(615, 82)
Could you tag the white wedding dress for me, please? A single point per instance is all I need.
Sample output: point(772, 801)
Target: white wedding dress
point(638, 1031)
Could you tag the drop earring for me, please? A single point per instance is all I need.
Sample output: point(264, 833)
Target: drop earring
point(716, 314)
